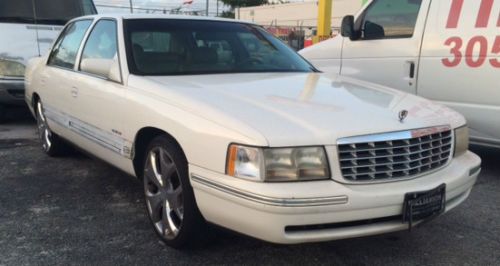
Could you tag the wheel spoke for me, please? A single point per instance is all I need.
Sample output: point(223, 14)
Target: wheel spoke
point(169, 221)
point(153, 163)
point(155, 204)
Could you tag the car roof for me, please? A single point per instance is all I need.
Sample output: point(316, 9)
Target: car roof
point(161, 16)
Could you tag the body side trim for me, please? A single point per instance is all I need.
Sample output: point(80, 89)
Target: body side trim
point(281, 202)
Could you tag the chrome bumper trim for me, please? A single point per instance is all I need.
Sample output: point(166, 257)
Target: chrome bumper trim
point(281, 202)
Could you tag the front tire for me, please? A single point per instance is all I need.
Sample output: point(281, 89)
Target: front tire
point(52, 144)
point(169, 197)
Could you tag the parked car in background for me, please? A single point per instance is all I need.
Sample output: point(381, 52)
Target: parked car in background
point(28, 28)
point(255, 140)
point(447, 51)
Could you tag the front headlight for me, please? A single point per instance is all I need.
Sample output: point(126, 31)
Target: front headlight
point(277, 164)
point(10, 68)
point(461, 140)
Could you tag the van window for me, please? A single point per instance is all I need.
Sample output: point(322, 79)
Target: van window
point(66, 48)
point(390, 19)
point(18, 11)
point(58, 12)
point(102, 42)
point(52, 12)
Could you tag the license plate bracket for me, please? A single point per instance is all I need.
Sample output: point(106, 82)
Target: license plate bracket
point(424, 205)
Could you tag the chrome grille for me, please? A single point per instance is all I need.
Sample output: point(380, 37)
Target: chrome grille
point(383, 158)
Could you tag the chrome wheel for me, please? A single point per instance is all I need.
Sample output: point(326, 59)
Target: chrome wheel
point(44, 132)
point(163, 191)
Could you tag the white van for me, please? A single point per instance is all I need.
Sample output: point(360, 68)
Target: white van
point(27, 29)
point(445, 50)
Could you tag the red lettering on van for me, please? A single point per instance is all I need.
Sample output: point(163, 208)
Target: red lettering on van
point(456, 9)
point(495, 62)
point(469, 52)
point(455, 51)
point(484, 13)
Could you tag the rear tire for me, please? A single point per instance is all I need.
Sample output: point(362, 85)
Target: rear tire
point(169, 197)
point(3, 113)
point(52, 144)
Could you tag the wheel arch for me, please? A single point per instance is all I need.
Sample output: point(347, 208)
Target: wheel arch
point(142, 139)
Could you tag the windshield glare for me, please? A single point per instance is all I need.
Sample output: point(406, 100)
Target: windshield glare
point(183, 47)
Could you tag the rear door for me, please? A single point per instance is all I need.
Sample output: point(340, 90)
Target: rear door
point(388, 50)
point(460, 64)
point(58, 77)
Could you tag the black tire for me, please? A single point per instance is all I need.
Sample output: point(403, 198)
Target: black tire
point(3, 113)
point(52, 144)
point(169, 197)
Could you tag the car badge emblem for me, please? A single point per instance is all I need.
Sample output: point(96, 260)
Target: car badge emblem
point(402, 115)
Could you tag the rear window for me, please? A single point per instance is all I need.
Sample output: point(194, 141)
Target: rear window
point(52, 12)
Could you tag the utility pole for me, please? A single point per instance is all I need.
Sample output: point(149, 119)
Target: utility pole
point(207, 8)
point(324, 21)
point(131, 7)
point(217, 12)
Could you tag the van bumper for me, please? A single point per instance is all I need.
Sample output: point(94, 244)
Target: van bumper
point(289, 213)
point(12, 91)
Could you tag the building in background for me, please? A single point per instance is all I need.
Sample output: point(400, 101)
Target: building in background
point(296, 23)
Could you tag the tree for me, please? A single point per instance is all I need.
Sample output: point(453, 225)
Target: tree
point(243, 3)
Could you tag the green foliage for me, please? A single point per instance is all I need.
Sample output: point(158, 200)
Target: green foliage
point(243, 3)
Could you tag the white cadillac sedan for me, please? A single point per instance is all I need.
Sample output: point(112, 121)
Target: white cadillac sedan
point(226, 124)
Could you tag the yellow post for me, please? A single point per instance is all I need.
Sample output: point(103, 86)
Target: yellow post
point(324, 20)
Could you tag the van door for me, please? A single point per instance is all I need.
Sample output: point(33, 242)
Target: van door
point(460, 63)
point(389, 45)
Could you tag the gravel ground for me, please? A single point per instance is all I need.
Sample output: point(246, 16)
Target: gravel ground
point(77, 210)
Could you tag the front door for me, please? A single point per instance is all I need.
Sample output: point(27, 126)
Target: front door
point(389, 46)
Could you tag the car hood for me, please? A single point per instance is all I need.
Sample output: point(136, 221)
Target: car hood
point(299, 108)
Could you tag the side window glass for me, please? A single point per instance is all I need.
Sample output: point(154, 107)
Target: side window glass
point(385, 19)
point(102, 41)
point(66, 48)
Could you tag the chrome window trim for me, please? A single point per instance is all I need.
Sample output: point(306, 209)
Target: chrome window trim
point(280, 202)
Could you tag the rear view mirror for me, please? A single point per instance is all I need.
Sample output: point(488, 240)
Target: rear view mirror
point(106, 68)
point(348, 28)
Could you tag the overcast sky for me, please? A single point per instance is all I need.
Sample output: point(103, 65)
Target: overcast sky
point(102, 5)
point(123, 6)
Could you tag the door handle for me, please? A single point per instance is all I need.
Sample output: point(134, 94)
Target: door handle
point(74, 92)
point(412, 69)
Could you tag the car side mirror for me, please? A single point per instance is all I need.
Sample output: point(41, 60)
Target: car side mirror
point(348, 28)
point(106, 68)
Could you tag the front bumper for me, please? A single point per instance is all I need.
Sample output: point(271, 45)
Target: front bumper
point(321, 210)
point(11, 91)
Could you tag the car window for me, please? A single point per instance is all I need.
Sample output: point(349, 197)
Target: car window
point(183, 47)
point(55, 12)
point(390, 19)
point(102, 41)
point(66, 48)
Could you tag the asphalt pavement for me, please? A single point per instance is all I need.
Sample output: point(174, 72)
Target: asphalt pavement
point(77, 210)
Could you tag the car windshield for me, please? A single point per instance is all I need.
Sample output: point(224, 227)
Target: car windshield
point(53, 12)
point(186, 47)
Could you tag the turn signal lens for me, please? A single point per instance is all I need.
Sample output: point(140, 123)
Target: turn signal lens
point(461, 140)
point(244, 162)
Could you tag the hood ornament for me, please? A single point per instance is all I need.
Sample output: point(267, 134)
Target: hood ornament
point(402, 115)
